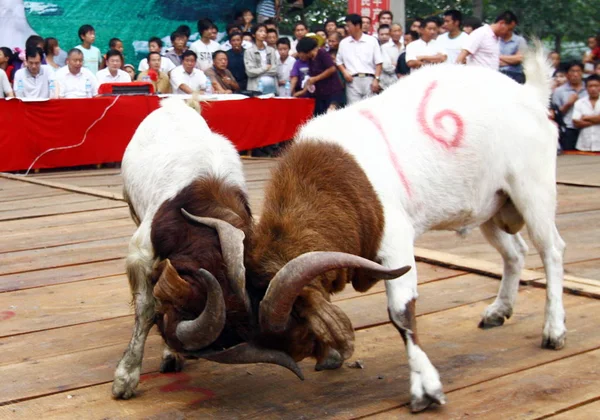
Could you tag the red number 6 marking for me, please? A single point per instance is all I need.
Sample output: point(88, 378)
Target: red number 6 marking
point(437, 132)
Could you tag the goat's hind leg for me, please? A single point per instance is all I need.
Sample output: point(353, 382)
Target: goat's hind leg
point(171, 361)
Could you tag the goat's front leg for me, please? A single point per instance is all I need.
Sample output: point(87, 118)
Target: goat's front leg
point(425, 384)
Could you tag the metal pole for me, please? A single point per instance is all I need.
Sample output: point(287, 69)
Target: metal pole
point(398, 9)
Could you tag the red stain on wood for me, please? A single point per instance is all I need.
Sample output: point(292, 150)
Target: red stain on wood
point(438, 133)
point(180, 382)
point(5, 315)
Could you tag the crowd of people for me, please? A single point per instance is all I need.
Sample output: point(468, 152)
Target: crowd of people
point(337, 63)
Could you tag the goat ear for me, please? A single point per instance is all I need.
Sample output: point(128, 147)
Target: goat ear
point(170, 287)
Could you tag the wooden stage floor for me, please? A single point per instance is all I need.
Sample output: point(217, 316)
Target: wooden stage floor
point(65, 320)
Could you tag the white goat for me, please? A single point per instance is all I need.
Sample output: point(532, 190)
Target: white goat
point(453, 148)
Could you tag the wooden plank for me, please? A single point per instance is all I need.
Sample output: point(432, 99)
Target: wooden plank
point(92, 204)
point(65, 199)
point(464, 355)
point(577, 199)
point(577, 286)
point(22, 190)
point(38, 259)
point(77, 172)
point(587, 411)
point(586, 269)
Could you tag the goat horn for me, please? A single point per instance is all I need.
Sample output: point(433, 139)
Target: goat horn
point(287, 284)
point(207, 327)
point(232, 247)
point(247, 353)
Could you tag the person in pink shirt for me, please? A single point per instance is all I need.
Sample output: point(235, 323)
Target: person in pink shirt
point(482, 47)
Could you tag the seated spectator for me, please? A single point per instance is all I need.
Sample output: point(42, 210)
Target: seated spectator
point(113, 73)
point(402, 68)
point(232, 28)
point(261, 62)
point(175, 54)
point(155, 44)
point(51, 49)
point(5, 89)
point(287, 63)
point(205, 46)
point(6, 55)
point(246, 20)
point(155, 75)
point(187, 78)
point(35, 80)
point(235, 60)
point(74, 80)
point(272, 38)
point(91, 55)
point(324, 82)
point(586, 116)
point(221, 79)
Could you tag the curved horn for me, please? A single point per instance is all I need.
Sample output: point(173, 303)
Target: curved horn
point(247, 353)
point(207, 327)
point(232, 247)
point(287, 284)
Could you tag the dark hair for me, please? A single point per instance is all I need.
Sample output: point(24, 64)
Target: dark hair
point(115, 53)
point(454, 14)
point(7, 52)
point(572, 64)
point(508, 17)
point(185, 30)
point(270, 21)
point(336, 34)
point(32, 52)
point(231, 26)
point(246, 34)
point(306, 45)
point(385, 12)
point(559, 70)
point(354, 19)
point(214, 55)
point(284, 41)
point(472, 22)
point(74, 51)
point(84, 30)
point(592, 78)
point(271, 30)
point(257, 27)
point(330, 20)
point(149, 55)
point(235, 33)
point(34, 41)
point(430, 20)
point(417, 19)
point(242, 12)
point(204, 25)
point(176, 35)
point(368, 17)
point(113, 42)
point(300, 24)
point(384, 26)
point(413, 34)
point(156, 40)
point(49, 45)
point(189, 53)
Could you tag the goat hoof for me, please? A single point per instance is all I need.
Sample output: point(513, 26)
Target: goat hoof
point(123, 389)
point(487, 323)
point(333, 361)
point(554, 343)
point(171, 363)
point(493, 317)
point(419, 404)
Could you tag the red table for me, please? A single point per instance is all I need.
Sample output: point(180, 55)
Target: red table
point(27, 129)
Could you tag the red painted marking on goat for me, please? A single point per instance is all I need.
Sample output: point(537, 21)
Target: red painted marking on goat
point(180, 382)
point(5, 315)
point(437, 132)
point(393, 156)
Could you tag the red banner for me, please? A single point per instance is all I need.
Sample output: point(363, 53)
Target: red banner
point(370, 8)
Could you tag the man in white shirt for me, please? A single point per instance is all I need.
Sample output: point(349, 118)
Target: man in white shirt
point(91, 55)
point(187, 78)
point(359, 59)
point(155, 44)
point(425, 50)
point(586, 116)
point(113, 73)
point(205, 46)
point(5, 89)
point(74, 80)
point(454, 39)
point(390, 53)
point(482, 47)
point(34, 80)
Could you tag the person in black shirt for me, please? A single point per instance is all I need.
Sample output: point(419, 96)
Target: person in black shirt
point(236, 60)
point(402, 68)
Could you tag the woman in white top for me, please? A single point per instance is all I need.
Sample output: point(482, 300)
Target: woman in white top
point(113, 73)
point(261, 62)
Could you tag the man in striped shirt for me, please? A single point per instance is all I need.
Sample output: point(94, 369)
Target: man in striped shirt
point(267, 9)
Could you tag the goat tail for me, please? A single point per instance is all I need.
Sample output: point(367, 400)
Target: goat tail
point(140, 263)
point(537, 71)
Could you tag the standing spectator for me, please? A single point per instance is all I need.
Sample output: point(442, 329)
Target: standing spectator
point(261, 62)
point(51, 49)
point(365, 25)
point(247, 38)
point(155, 44)
point(359, 60)
point(187, 78)
point(235, 59)
point(246, 18)
point(559, 79)
point(113, 73)
point(266, 9)
point(597, 68)
point(175, 54)
point(554, 58)
point(333, 42)
point(402, 68)
point(91, 55)
point(512, 47)
point(5, 89)
point(341, 29)
point(214, 32)
point(74, 80)
point(482, 47)
point(130, 70)
point(417, 25)
point(592, 55)
point(113, 44)
point(221, 79)
point(155, 75)
point(385, 17)
point(231, 28)
point(34, 80)
point(285, 68)
point(326, 86)
point(390, 53)
point(383, 34)
point(300, 30)
point(454, 39)
point(330, 26)
point(272, 38)
point(205, 46)
point(298, 78)
point(322, 34)
point(564, 98)
point(425, 50)
point(271, 23)
point(586, 116)
point(470, 24)
point(6, 55)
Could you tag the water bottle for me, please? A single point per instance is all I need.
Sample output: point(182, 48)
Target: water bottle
point(209, 88)
point(146, 78)
point(287, 89)
point(88, 88)
point(260, 85)
point(20, 89)
point(51, 89)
